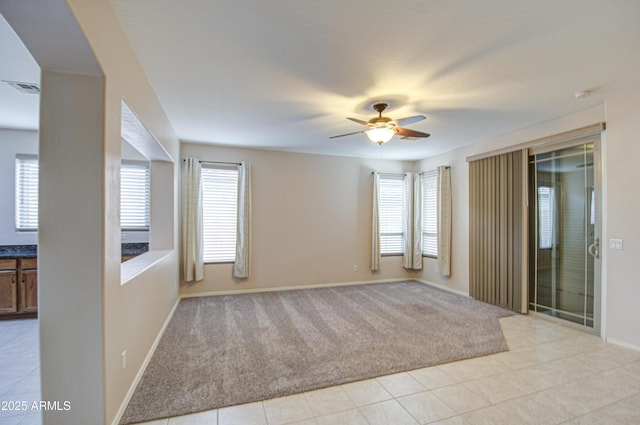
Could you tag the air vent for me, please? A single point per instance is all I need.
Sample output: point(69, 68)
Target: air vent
point(29, 88)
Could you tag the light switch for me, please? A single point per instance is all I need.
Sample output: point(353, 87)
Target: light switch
point(615, 244)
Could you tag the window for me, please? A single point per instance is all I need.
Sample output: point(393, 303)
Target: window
point(391, 213)
point(134, 195)
point(27, 192)
point(219, 213)
point(545, 216)
point(430, 213)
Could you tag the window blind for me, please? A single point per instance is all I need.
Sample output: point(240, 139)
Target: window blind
point(219, 213)
point(26, 214)
point(545, 216)
point(134, 195)
point(391, 213)
point(430, 213)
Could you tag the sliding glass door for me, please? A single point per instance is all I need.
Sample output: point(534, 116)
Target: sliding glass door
point(564, 200)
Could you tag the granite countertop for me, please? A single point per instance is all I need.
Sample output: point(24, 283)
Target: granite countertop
point(31, 251)
point(18, 251)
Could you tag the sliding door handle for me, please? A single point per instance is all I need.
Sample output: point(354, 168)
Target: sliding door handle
point(594, 248)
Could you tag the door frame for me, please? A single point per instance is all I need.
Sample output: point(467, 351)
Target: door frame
point(598, 175)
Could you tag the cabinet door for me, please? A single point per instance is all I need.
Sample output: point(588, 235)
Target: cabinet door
point(8, 292)
point(29, 290)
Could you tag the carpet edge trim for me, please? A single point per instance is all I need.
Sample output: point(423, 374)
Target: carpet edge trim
point(143, 366)
point(292, 288)
point(444, 288)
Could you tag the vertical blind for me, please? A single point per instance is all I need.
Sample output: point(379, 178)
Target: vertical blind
point(430, 213)
point(391, 208)
point(26, 192)
point(219, 213)
point(134, 195)
point(496, 230)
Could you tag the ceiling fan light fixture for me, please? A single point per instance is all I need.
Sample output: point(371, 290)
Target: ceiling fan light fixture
point(381, 135)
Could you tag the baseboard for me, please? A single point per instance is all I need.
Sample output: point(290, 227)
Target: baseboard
point(444, 288)
point(290, 288)
point(623, 344)
point(143, 367)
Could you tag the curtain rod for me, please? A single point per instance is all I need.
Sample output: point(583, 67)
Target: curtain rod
point(215, 162)
point(421, 172)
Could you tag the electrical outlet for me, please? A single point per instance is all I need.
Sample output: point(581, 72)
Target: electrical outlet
point(355, 267)
point(615, 244)
point(124, 359)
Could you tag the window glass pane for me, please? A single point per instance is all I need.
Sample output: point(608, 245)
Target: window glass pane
point(545, 216)
point(430, 213)
point(134, 196)
point(219, 213)
point(27, 192)
point(391, 213)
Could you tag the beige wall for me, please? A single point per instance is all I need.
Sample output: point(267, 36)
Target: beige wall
point(311, 220)
point(621, 208)
point(135, 312)
point(459, 279)
point(87, 318)
point(622, 216)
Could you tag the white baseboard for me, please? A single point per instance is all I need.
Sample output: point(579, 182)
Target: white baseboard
point(143, 367)
point(444, 288)
point(623, 344)
point(290, 288)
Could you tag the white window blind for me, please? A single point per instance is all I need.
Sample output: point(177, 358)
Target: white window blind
point(219, 213)
point(545, 216)
point(391, 205)
point(134, 195)
point(27, 192)
point(430, 213)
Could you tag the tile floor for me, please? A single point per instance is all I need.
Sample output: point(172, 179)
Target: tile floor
point(19, 371)
point(551, 375)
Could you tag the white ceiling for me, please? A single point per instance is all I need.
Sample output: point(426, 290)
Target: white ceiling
point(17, 110)
point(283, 74)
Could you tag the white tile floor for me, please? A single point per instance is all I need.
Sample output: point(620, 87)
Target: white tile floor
point(551, 375)
point(19, 372)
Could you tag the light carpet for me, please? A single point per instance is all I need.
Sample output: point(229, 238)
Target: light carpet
point(226, 350)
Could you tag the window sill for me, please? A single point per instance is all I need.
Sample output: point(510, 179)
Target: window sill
point(138, 265)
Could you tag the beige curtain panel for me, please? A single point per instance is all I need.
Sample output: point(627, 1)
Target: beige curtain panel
point(192, 248)
point(241, 265)
point(412, 257)
point(375, 225)
point(417, 223)
point(496, 229)
point(444, 220)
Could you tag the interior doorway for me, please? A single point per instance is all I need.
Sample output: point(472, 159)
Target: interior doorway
point(564, 232)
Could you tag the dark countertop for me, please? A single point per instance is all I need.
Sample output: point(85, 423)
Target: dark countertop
point(31, 251)
point(18, 251)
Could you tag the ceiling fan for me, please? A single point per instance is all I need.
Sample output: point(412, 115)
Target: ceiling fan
point(382, 129)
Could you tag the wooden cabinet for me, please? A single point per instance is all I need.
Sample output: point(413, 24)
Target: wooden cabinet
point(29, 285)
point(18, 288)
point(8, 287)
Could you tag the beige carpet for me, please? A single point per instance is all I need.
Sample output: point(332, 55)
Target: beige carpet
point(226, 350)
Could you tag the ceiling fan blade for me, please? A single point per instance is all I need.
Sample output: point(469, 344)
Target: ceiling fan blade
point(348, 134)
point(410, 120)
point(405, 132)
point(358, 121)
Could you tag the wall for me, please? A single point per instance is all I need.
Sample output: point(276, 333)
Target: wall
point(622, 175)
point(620, 208)
point(135, 312)
point(311, 220)
point(87, 316)
point(459, 279)
point(13, 142)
